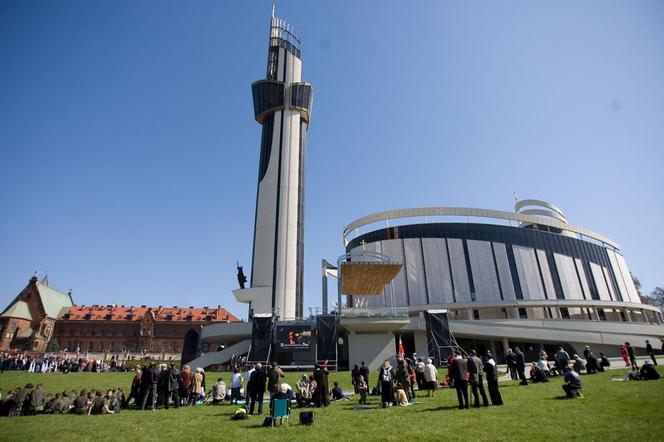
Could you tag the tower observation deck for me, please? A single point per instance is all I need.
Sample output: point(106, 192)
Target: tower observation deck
point(282, 105)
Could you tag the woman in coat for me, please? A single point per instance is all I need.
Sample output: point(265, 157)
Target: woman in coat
point(387, 377)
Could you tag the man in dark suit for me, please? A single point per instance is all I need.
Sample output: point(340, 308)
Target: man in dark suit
point(257, 382)
point(149, 380)
point(459, 372)
point(521, 365)
point(364, 371)
point(174, 385)
point(492, 379)
point(651, 352)
point(476, 371)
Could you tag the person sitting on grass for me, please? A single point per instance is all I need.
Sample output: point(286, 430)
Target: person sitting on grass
point(537, 374)
point(282, 393)
point(579, 364)
point(337, 393)
point(304, 391)
point(648, 371)
point(572, 385)
point(401, 398)
point(218, 392)
point(603, 362)
point(81, 403)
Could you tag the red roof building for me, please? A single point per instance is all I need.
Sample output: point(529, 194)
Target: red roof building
point(41, 319)
point(121, 329)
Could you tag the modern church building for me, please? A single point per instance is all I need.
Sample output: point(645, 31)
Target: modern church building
point(429, 277)
point(525, 278)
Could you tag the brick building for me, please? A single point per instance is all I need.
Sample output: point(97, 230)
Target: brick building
point(43, 319)
point(28, 322)
point(121, 329)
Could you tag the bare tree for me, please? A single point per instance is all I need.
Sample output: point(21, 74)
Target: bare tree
point(637, 282)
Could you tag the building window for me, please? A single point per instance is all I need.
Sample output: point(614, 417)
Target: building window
point(101, 346)
point(164, 348)
point(123, 347)
point(114, 333)
point(601, 314)
point(134, 346)
point(91, 346)
point(154, 348)
point(72, 332)
point(104, 332)
point(476, 314)
point(564, 313)
point(523, 314)
point(167, 332)
point(125, 332)
point(175, 348)
point(68, 346)
point(136, 332)
point(94, 332)
point(83, 331)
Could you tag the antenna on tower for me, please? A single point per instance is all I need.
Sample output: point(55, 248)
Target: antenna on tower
point(273, 7)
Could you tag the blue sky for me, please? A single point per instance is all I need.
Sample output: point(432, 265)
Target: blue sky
point(129, 152)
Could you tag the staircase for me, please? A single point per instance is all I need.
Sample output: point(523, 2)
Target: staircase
point(221, 357)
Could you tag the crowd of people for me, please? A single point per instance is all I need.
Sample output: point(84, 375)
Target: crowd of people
point(57, 363)
point(162, 385)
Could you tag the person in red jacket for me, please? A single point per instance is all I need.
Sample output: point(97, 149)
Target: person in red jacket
point(625, 355)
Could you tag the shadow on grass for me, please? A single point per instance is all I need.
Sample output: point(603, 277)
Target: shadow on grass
point(441, 408)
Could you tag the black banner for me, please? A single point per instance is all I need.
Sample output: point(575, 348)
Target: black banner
point(326, 337)
point(261, 338)
point(191, 346)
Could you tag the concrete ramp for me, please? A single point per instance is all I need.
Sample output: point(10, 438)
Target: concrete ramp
point(221, 357)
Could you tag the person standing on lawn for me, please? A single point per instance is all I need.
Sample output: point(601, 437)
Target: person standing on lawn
point(236, 385)
point(185, 383)
point(510, 358)
point(624, 353)
point(355, 372)
point(521, 365)
point(149, 380)
point(651, 352)
point(476, 372)
point(364, 371)
point(257, 389)
point(274, 377)
point(174, 385)
point(430, 378)
point(632, 356)
point(321, 394)
point(459, 374)
point(492, 379)
point(387, 376)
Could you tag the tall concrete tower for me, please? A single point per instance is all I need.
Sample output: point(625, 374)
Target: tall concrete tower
point(282, 105)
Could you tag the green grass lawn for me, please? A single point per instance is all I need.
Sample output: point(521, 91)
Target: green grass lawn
point(610, 411)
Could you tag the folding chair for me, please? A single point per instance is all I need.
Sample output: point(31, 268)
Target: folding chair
point(280, 410)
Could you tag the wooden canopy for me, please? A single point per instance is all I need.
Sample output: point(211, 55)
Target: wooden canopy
point(366, 278)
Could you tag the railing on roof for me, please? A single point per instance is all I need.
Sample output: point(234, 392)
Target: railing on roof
point(375, 312)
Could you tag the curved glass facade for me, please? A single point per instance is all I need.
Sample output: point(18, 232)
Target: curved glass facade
point(446, 263)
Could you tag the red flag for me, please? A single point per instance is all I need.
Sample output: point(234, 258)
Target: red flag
point(401, 352)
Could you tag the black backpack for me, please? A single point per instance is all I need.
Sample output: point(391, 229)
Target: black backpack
point(307, 417)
